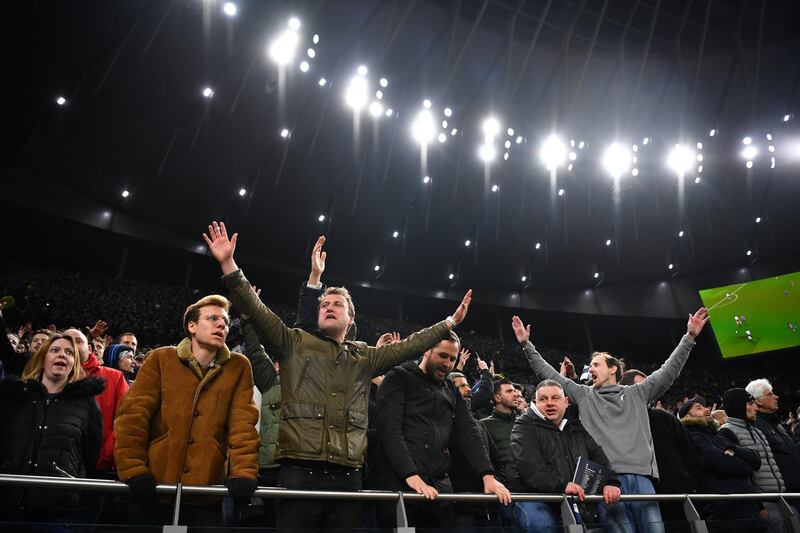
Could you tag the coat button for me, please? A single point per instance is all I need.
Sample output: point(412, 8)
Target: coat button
point(196, 413)
point(191, 440)
point(330, 427)
point(333, 394)
point(427, 446)
point(185, 469)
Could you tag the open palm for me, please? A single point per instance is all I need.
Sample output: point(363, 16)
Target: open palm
point(220, 246)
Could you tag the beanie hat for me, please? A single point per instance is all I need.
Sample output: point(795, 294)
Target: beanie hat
point(114, 353)
point(684, 409)
point(734, 402)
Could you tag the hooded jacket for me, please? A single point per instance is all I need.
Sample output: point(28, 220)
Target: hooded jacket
point(109, 401)
point(420, 420)
point(112, 356)
point(324, 384)
point(185, 426)
point(545, 455)
point(48, 436)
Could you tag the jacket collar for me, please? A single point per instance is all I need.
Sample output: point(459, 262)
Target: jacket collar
point(700, 422)
point(510, 417)
point(739, 422)
point(91, 364)
point(185, 355)
point(772, 418)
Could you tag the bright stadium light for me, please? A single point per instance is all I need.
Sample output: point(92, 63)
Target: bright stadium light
point(284, 133)
point(442, 137)
point(495, 188)
point(491, 127)
point(304, 66)
point(322, 82)
point(230, 9)
point(294, 23)
point(749, 153)
point(283, 48)
point(448, 112)
point(487, 152)
point(61, 100)
point(426, 104)
point(311, 53)
point(747, 140)
point(383, 82)
point(362, 70)
point(538, 245)
point(467, 243)
point(426, 180)
point(681, 159)
point(208, 92)
point(321, 218)
point(451, 276)
point(125, 193)
point(356, 94)
point(242, 191)
point(553, 153)
point(395, 234)
point(617, 160)
point(375, 109)
point(423, 129)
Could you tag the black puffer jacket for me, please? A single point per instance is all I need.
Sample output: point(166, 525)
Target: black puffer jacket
point(59, 436)
point(725, 473)
point(499, 427)
point(785, 451)
point(419, 420)
point(546, 457)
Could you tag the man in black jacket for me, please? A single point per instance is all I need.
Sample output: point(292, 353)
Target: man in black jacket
point(420, 416)
point(499, 426)
point(546, 448)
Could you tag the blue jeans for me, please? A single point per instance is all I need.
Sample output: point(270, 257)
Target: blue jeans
point(536, 517)
point(630, 517)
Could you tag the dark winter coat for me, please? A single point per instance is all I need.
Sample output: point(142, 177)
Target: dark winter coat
point(481, 397)
point(58, 436)
point(784, 450)
point(499, 427)
point(546, 456)
point(724, 473)
point(676, 448)
point(419, 420)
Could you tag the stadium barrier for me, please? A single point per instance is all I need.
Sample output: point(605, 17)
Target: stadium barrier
point(570, 525)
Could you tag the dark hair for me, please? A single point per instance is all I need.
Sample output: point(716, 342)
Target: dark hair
point(612, 361)
point(499, 384)
point(453, 375)
point(629, 376)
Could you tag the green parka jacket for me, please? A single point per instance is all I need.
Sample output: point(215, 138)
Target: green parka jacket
point(324, 384)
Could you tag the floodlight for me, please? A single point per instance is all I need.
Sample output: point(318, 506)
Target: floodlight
point(553, 153)
point(376, 268)
point(505, 156)
point(581, 145)
point(670, 266)
point(596, 275)
point(442, 137)
point(524, 279)
point(356, 93)
point(379, 94)
point(284, 133)
point(538, 245)
point(322, 82)
point(208, 92)
point(786, 118)
point(507, 144)
point(383, 82)
point(561, 192)
point(389, 112)
point(423, 129)
point(375, 109)
point(451, 276)
point(510, 132)
point(242, 191)
point(573, 156)
point(230, 9)
point(758, 220)
point(444, 124)
point(769, 136)
point(315, 39)
point(681, 159)
point(487, 152)
point(749, 153)
point(467, 242)
point(519, 139)
point(125, 193)
point(699, 146)
point(698, 179)
point(283, 48)
point(448, 112)
point(491, 127)
point(680, 233)
point(495, 188)
point(747, 140)
point(426, 104)
point(749, 252)
point(454, 131)
point(304, 66)
point(749, 164)
point(294, 23)
point(608, 242)
point(616, 160)
point(61, 100)
point(395, 234)
point(321, 218)
point(311, 53)
point(362, 70)
point(635, 172)
point(426, 179)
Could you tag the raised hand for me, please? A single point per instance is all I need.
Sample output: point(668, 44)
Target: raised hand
point(23, 329)
point(696, 322)
point(387, 338)
point(481, 363)
point(99, 329)
point(568, 369)
point(221, 247)
point(492, 486)
point(317, 261)
point(522, 332)
point(491, 367)
point(257, 291)
point(420, 487)
point(461, 311)
point(573, 489)
point(463, 357)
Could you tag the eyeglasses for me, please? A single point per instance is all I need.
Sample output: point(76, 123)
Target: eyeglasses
point(214, 318)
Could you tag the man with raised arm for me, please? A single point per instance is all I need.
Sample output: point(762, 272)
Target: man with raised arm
point(324, 391)
point(616, 417)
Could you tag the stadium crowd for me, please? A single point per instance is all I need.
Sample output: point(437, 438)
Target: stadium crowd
point(278, 396)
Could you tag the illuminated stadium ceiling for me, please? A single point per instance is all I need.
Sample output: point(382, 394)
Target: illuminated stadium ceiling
point(182, 111)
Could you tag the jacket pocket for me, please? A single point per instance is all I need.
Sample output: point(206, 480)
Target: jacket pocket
point(158, 455)
point(357, 424)
point(302, 428)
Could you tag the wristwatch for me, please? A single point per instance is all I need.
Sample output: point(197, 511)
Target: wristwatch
point(452, 321)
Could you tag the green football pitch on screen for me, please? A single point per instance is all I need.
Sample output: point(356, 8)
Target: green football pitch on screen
point(756, 316)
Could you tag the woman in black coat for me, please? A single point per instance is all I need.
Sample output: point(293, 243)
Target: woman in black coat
point(50, 425)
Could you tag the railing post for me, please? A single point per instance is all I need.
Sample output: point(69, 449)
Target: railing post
point(402, 518)
point(693, 517)
point(175, 527)
point(789, 515)
point(568, 517)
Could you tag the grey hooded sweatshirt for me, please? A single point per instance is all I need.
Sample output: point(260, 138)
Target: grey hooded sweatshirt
point(616, 415)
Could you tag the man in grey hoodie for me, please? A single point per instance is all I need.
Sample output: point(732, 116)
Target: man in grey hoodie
point(616, 417)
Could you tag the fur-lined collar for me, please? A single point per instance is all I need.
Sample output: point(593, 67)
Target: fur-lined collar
point(700, 421)
point(17, 388)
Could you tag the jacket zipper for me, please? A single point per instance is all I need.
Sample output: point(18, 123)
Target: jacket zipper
point(60, 470)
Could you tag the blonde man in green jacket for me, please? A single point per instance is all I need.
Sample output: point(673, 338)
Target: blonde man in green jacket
point(324, 391)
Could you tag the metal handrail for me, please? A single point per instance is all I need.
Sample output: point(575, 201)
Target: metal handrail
point(370, 495)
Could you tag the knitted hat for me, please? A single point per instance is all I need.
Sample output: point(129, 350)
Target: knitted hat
point(684, 409)
point(114, 353)
point(734, 402)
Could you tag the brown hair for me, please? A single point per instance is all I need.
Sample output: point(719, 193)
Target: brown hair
point(192, 313)
point(612, 361)
point(35, 366)
point(41, 332)
point(341, 291)
point(629, 376)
